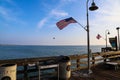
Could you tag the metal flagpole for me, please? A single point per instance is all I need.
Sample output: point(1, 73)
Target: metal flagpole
point(82, 26)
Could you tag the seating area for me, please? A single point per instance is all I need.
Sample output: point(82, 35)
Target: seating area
point(114, 64)
point(112, 61)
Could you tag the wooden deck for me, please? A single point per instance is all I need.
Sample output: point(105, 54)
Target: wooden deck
point(100, 72)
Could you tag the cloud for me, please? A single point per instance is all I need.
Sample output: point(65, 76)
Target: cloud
point(68, 0)
point(10, 2)
point(59, 13)
point(4, 12)
point(7, 11)
point(106, 17)
point(12, 13)
point(42, 22)
point(56, 13)
point(109, 13)
point(8, 15)
point(53, 13)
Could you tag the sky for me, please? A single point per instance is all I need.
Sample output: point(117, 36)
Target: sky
point(33, 22)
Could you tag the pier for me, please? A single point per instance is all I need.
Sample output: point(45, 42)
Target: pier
point(27, 68)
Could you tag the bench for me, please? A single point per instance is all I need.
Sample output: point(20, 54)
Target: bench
point(115, 64)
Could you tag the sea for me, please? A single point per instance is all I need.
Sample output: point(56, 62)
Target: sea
point(32, 51)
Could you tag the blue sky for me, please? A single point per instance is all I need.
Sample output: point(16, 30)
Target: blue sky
point(33, 22)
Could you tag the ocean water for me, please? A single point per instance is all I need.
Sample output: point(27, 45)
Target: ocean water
point(17, 52)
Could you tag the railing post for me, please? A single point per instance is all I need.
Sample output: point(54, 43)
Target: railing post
point(105, 58)
point(93, 60)
point(78, 62)
point(25, 72)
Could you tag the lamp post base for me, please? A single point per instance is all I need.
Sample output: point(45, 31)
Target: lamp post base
point(85, 73)
point(89, 71)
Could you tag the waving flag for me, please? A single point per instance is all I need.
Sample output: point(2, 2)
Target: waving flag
point(63, 23)
point(98, 36)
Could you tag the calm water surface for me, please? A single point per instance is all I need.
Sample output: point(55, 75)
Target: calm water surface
point(13, 52)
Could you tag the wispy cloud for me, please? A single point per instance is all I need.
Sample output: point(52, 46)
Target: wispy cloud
point(3, 11)
point(56, 12)
point(53, 13)
point(59, 13)
point(7, 14)
point(10, 14)
point(10, 2)
point(42, 22)
point(68, 0)
point(109, 13)
point(106, 17)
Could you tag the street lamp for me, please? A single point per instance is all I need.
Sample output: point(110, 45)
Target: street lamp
point(106, 33)
point(118, 37)
point(92, 8)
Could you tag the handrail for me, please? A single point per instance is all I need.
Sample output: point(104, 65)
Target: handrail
point(77, 62)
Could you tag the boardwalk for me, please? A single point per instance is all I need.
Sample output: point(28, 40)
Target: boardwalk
point(100, 72)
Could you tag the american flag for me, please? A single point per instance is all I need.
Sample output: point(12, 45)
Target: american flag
point(63, 23)
point(98, 36)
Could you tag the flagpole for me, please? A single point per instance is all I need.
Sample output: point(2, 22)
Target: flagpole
point(82, 26)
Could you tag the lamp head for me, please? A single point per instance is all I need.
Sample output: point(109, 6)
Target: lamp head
point(93, 7)
point(118, 28)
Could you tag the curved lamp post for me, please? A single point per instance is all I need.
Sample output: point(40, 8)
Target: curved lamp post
point(106, 33)
point(92, 8)
point(118, 37)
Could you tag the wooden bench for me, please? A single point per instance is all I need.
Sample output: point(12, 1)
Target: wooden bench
point(115, 64)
